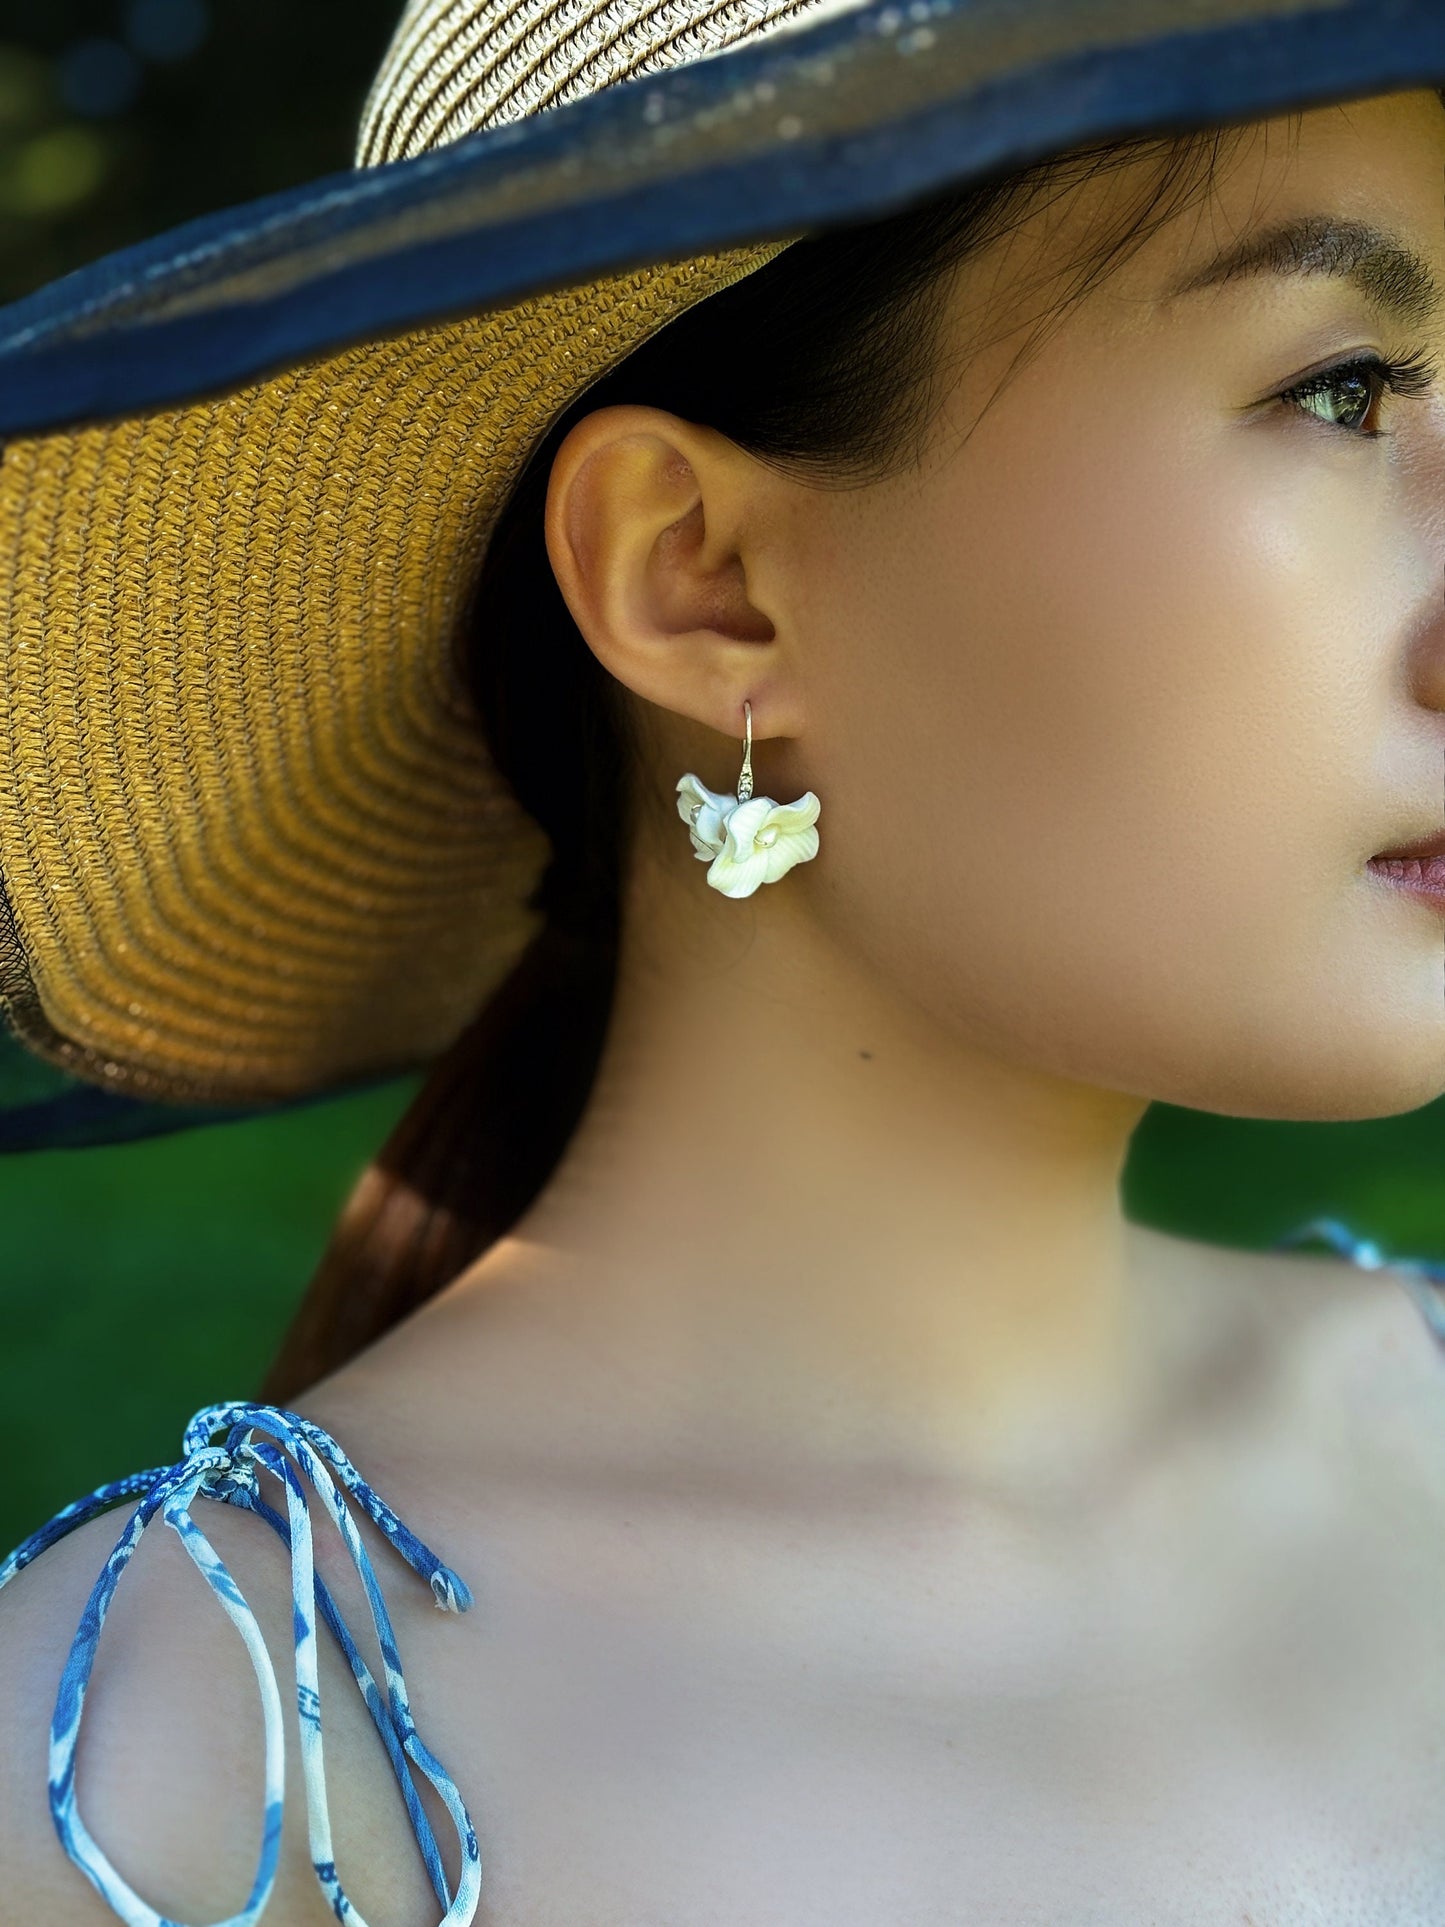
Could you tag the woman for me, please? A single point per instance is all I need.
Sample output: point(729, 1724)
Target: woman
point(866, 1520)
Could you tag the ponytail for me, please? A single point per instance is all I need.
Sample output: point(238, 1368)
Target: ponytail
point(496, 1110)
point(473, 1150)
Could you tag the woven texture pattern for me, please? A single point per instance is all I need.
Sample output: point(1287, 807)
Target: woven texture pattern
point(253, 847)
point(454, 66)
point(263, 849)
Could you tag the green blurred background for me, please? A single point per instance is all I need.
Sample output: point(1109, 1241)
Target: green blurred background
point(141, 1281)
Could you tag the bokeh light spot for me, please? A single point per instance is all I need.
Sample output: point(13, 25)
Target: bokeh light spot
point(167, 29)
point(54, 172)
point(99, 77)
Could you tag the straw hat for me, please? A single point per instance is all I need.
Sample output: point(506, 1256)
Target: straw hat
point(251, 845)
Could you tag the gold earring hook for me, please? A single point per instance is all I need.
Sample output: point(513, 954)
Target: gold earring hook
point(745, 781)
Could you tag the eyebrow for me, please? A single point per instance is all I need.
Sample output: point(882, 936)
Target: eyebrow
point(1380, 264)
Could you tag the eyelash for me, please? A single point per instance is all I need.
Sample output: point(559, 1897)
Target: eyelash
point(1412, 374)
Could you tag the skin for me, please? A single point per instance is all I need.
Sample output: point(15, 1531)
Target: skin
point(870, 1515)
point(1108, 701)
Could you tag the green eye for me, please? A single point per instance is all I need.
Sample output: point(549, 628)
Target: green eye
point(1363, 381)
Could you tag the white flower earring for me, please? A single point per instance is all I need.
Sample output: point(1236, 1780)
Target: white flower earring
point(745, 839)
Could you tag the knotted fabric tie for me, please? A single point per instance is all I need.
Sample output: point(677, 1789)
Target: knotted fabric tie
point(229, 1472)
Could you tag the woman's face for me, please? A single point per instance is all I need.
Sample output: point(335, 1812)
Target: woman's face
point(1109, 701)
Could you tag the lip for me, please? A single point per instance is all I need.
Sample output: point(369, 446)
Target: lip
point(1417, 868)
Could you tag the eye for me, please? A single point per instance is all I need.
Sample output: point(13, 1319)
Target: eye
point(1362, 381)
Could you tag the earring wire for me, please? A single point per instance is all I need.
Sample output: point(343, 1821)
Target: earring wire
point(745, 781)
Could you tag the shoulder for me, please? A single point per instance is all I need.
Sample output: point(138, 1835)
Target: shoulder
point(169, 1768)
point(1379, 1359)
point(1315, 1346)
point(1360, 1320)
point(1361, 1359)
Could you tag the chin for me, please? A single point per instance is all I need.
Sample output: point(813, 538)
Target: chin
point(1354, 1074)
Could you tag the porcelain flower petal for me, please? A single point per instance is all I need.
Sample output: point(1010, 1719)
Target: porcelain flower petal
point(705, 813)
point(763, 840)
point(794, 817)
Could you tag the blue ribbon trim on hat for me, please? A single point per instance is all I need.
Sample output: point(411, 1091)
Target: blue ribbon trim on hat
point(43, 1108)
point(85, 1116)
point(844, 118)
point(229, 1472)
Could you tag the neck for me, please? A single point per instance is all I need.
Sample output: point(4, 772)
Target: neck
point(802, 1222)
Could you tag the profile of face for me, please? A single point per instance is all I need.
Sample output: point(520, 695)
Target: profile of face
point(1109, 699)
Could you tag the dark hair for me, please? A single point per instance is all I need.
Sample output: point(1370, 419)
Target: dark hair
point(824, 362)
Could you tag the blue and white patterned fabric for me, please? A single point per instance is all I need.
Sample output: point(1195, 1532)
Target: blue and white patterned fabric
point(229, 1472)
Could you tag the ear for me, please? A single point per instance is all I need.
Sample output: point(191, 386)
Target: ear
point(660, 534)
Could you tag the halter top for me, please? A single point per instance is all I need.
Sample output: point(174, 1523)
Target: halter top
point(229, 1471)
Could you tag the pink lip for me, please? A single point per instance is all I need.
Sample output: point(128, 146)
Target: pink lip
point(1422, 877)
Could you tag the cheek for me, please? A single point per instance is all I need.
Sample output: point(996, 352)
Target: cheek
point(1101, 749)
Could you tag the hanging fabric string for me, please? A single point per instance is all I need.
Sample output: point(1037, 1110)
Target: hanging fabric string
point(229, 1472)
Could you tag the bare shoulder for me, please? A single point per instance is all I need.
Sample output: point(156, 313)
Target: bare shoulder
point(1315, 1348)
point(170, 1763)
point(1380, 1356)
point(1359, 1354)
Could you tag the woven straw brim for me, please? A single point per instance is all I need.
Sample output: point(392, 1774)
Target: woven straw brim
point(262, 850)
point(251, 843)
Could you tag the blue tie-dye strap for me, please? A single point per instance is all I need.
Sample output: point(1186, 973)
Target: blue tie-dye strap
point(1423, 1278)
point(229, 1472)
